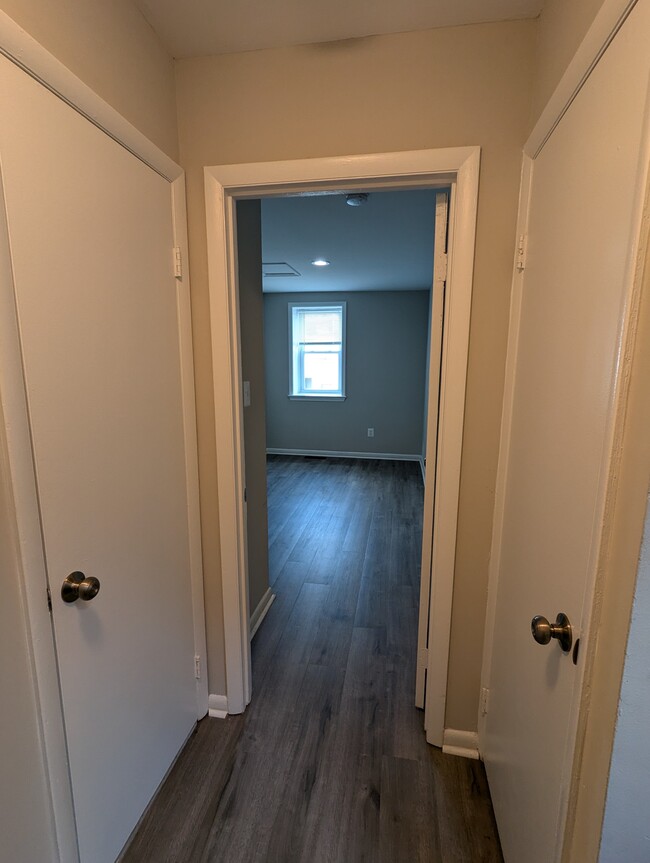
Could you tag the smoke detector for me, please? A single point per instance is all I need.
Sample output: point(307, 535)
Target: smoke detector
point(356, 199)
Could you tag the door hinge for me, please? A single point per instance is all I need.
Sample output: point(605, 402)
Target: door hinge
point(49, 599)
point(197, 667)
point(520, 257)
point(485, 700)
point(245, 495)
point(423, 657)
point(178, 263)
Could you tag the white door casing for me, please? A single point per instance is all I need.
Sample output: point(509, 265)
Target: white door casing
point(433, 396)
point(455, 167)
point(105, 342)
point(570, 324)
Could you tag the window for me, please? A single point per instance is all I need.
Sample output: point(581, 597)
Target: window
point(317, 350)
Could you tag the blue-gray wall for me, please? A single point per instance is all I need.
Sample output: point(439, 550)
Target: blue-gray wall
point(386, 352)
point(251, 309)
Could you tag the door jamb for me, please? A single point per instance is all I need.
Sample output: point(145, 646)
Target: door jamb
point(504, 441)
point(432, 396)
point(224, 184)
point(24, 51)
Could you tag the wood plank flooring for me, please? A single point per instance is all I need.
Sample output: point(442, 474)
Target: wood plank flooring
point(329, 764)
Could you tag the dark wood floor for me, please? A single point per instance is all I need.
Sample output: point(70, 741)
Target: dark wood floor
point(329, 762)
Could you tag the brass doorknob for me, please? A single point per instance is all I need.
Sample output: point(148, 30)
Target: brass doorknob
point(543, 631)
point(78, 586)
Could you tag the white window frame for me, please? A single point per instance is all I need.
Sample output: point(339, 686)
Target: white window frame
point(296, 376)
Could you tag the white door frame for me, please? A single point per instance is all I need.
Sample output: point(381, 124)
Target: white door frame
point(458, 167)
point(606, 25)
point(19, 47)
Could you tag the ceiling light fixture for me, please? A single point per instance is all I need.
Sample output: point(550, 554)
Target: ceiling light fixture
point(320, 262)
point(356, 199)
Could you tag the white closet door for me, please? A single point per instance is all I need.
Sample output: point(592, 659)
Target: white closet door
point(90, 232)
point(573, 308)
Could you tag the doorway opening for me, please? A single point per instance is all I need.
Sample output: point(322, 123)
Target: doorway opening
point(335, 366)
point(455, 169)
point(335, 370)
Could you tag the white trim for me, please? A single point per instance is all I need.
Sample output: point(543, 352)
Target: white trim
point(504, 443)
point(261, 611)
point(229, 430)
point(423, 468)
point(333, 453)
point(606, 24)
point(342, 307)
point(462, 743)
point(217, 706)
point(436, 334)
point(23, 50)
point(412, 168)
point(458, 167)
point(184, 310)
point(453, 373)
point(317, 398)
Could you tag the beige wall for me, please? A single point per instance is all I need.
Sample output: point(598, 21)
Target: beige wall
point(446, 87)
point(110, 46)
point(251, 305)
point(466, 85)
point(562, 27)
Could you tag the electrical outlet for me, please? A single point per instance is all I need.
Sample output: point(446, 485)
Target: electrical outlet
point(371, 432)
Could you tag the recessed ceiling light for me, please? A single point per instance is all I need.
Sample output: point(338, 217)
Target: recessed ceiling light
point(320, 262)
point(356, 199)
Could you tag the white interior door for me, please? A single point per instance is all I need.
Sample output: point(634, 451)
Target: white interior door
point(573, 306)
point(91, 236)
point(431, 448)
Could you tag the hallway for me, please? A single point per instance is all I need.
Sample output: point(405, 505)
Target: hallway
point(329, 762)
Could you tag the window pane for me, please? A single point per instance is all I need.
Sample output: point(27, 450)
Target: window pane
point(321, 371)
point(322, 326)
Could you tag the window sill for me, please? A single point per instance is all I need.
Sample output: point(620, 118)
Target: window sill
point(317, 398)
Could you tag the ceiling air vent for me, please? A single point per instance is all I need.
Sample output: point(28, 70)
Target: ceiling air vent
point(278, 269)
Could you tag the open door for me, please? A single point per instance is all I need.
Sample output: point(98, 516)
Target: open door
point(251, 323)
point(433, 402)
point(574, 294)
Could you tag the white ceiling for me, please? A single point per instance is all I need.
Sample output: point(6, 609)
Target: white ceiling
point(386, 244)
point(192, 28)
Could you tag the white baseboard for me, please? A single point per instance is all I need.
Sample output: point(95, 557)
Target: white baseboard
point(217, 706)
point(261, 611)
point(423, 468)
point(463, 743)
point(331, 453)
